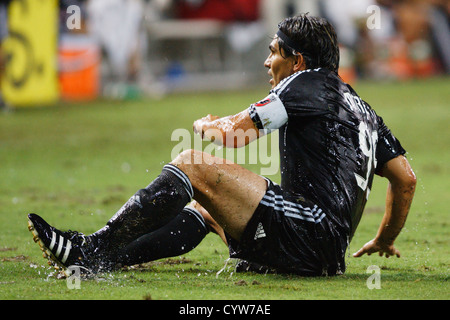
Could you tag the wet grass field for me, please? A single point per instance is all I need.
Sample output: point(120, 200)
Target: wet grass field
point(76, 164)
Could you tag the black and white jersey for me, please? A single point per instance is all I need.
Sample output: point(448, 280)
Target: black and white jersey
point(331, 143)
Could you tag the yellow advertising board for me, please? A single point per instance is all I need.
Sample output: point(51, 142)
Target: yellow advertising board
point(31, 77)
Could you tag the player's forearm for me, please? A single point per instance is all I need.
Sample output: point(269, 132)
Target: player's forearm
point(398, 202)
point(232, 131)
point(212, 130)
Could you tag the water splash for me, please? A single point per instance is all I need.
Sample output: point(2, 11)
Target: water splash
point(224, 267)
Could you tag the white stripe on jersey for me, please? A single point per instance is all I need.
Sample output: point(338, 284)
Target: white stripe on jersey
point(284, 83)
point(291, 209)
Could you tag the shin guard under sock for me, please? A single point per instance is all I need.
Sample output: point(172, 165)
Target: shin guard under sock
point(182, 234)
point(146, 211)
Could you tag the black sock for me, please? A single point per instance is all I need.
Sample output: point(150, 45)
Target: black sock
point(177, 237)
point(146, 211)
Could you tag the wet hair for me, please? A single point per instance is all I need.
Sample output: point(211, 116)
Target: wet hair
point(315, 39)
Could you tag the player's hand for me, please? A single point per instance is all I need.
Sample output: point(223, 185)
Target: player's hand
point(377, 246)
point(199, 125)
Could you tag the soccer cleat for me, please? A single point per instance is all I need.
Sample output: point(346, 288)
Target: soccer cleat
point(63, 248)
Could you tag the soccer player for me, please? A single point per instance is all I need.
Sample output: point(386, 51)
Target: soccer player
point(331, 145)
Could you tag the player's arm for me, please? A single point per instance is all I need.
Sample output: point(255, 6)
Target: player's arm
point(242, 128)
point(233, 131)
point(400, 193)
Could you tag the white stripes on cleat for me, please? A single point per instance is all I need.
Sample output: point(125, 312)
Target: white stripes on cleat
point(48, 253)
point(60, 246)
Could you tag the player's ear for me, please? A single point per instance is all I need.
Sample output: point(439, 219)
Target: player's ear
point(299, 62)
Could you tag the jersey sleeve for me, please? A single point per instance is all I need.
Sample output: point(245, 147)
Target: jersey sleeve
point(388, 146)
point(298, 96)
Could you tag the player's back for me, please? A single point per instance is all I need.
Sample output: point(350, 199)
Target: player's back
point(327, 146)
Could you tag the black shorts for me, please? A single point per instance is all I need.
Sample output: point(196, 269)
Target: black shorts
point(290, 237)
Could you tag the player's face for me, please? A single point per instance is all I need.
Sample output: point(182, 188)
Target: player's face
point(279, 67)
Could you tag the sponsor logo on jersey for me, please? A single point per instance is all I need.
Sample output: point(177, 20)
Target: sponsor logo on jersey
point(264, 102)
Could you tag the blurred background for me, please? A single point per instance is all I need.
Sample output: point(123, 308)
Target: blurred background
point(82, 50)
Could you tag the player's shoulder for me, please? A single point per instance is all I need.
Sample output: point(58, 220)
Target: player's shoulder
point(301, 80)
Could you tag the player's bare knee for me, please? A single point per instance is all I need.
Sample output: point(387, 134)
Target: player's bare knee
point(187, 157)
point(190, 162)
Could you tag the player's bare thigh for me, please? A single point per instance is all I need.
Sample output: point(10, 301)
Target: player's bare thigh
point(229, 192)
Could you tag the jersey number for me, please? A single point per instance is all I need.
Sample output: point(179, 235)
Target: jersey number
point(367, 144)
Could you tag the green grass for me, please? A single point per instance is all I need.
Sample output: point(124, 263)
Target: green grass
point(76, 164)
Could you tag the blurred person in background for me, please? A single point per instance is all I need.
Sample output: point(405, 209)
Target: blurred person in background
point(419, 47)
point(440, 31)
point(117, 26)
point(411, 38)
